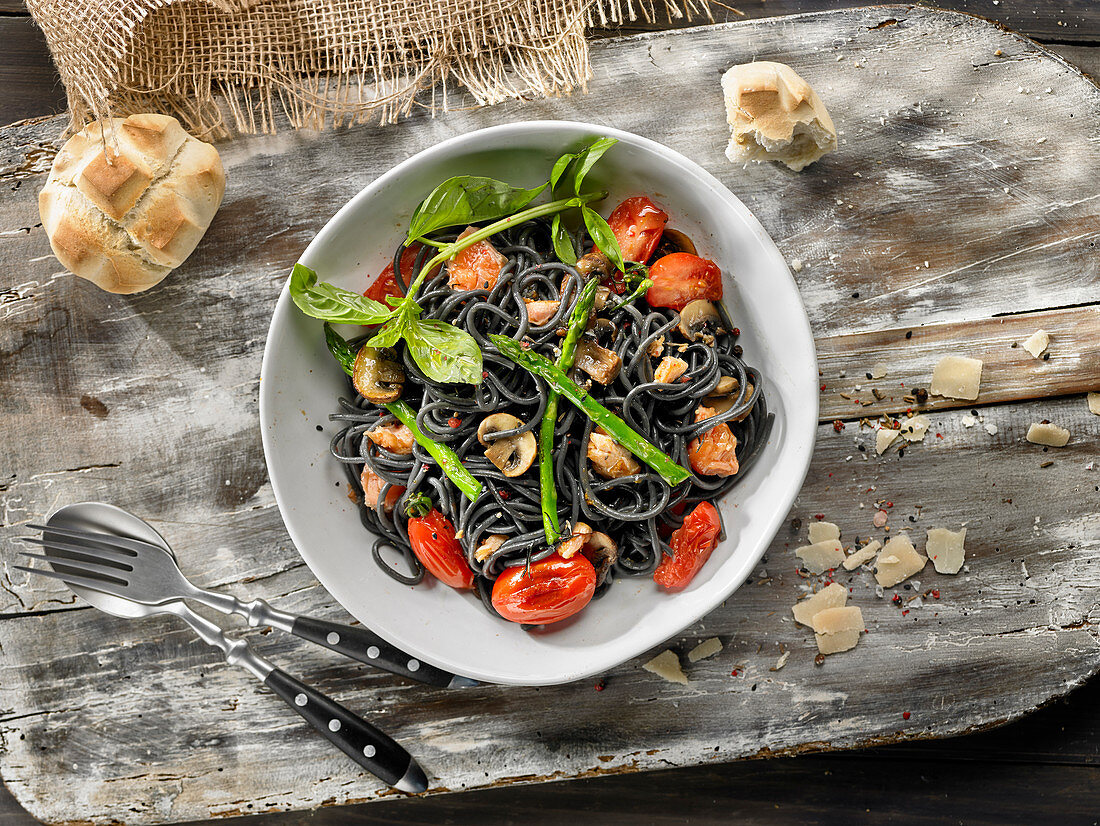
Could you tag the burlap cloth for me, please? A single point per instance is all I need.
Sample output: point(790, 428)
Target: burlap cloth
point(224, 65)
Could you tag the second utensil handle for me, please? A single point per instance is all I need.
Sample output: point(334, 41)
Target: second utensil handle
point(367, 647)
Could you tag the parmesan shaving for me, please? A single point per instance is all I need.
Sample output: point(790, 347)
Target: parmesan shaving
point(862, 555)
point(707, 648)
point(945, 549)
point(822, 531)
point(822, 556)
point(1094, 403)
point(782, 661)
point(838, 629)
point(1038, 342)
point(878, 371)
point(957, 377)
point(666, 665)
point(1047, 434)
point(884, 438)
point(913, 430)
point(897, 561)
point(831, 596)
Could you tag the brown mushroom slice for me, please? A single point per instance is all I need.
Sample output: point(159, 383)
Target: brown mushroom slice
point(603, 294)
point(602, 551)
point(672, 240)
point(377, 378)
point(725, 394)
point(489, 546)
point(610, 459)
point(669, 370)
point(699, 319)
point(600, 363)
point(576, 540)
point(512, 454)
point(594, 264)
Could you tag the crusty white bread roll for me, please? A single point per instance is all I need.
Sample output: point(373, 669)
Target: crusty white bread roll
point(774, 115)
point(125, 211)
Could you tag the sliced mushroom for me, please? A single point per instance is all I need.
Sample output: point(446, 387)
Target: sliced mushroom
point(610, 459)
point(602, 296)
point(594, 264)
point(376, 377)
point(675, 241)
point(602, 551)
point(489, 546)
point(576, 540)
point(699, 319)
point(670, 369)
point(725, 394)
point(512, 454)
point(600, 363)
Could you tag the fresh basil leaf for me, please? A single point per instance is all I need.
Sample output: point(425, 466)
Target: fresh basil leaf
point(560, 165)
point(331, 303)
point(563, 244)
point(340, 349)
point(444, 352)
point(468, 199)
point(603, 237)
point(587, 159)
point(389, 334)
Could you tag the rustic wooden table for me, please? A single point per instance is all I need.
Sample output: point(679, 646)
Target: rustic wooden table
point(1040, 769)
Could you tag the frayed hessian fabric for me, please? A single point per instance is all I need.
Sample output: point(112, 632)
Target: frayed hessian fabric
point(232, 65)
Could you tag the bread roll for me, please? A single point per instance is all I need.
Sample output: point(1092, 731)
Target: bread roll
point(774, 115)
point(125, 211)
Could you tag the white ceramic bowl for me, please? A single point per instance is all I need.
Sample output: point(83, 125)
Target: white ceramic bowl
point(300, 384)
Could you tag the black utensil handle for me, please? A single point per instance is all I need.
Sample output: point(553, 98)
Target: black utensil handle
point(372, 749)
point(367, 647)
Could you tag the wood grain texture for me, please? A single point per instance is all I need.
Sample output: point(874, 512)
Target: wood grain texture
point(149, 401)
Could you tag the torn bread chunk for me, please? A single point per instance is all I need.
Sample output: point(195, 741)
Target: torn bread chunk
point(831, 596)
point(838, 629)
point(957, 377)
point(861, 556)
point(897, 561)
point(945, 549)
point(666, 665)
point(1044, 433)
point(822, 531)
point(707, 648)
point(774, 115)
point(914, 429)
point(1037, 343)
point(822, 556)
point(1094, 403)
point(885, 437)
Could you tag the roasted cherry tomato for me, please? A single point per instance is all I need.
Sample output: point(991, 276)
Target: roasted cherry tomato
point(548, 591)
point(692, 544)
point(433, 541)
point(638, 224)
point(680, 278)
point(386, 284)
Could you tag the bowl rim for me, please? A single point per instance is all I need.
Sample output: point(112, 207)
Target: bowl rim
point(806, 411)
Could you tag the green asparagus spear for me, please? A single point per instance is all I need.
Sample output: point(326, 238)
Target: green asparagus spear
point(443, 455)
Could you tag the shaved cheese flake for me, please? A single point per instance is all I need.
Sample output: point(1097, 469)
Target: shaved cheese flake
point(957, 377)
point(666, 665)
point(838, 629)
point(897, 561)
point(1038, 342)
point(878, 371)
point(707, 648)
point(822, 556)
point(945, 549)
point(913, 430)
point(831, 596)
point(1094, 403)
point(782, 661)
point(884, 438)
point(822, 531)
point(862, 555)
point(1047, 434)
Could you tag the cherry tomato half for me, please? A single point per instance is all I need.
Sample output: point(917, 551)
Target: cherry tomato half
point(386, 284)
point(549, 591)
point(433, 541)
point(692, 544)
point(680, 278)
point(638, 224)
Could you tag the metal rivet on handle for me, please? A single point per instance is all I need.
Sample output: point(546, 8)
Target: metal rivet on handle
point(333, 638)
point(414, 665)
point(333, 725)
point(373, 651)
point(369, 751)
point(300, 700)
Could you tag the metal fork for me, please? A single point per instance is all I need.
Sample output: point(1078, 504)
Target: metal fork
point(149, 574)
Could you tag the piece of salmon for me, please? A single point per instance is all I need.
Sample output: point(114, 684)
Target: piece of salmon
point(539, 312)
point(715, 452)
point(372, 490)
point(610, 459)
point(670, 369)
point(475, 268)
point(394, 437)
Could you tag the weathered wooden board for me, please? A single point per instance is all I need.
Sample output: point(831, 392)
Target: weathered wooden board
point(150, 401)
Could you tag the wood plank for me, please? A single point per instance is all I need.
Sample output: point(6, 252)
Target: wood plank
point(1009, 372)
point(27, 75)
point(177, 396)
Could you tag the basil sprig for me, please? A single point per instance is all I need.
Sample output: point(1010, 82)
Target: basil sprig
point(465, 200)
